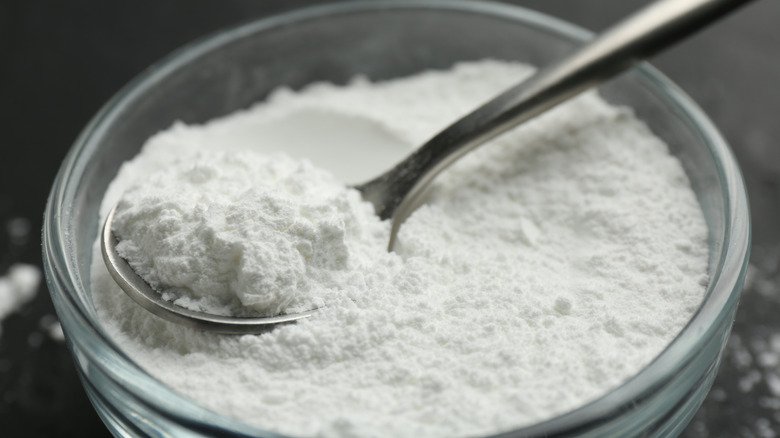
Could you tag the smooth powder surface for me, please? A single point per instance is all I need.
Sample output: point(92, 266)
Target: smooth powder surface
point(544, 269)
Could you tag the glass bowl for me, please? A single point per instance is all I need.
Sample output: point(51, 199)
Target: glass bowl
point(380, 39)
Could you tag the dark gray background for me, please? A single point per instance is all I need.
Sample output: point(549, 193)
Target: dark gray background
point(61, 60)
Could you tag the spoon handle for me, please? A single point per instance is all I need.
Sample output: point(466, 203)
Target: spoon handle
point(660, 24)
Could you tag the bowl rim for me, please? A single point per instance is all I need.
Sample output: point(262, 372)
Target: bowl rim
point(83, 331)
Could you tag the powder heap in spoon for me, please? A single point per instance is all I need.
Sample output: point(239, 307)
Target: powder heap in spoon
point(243, 234)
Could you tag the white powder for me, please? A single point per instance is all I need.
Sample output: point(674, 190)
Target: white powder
point(545, 268)
point(238, 233)
point(17, 287)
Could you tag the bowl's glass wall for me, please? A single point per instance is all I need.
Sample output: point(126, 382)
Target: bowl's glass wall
point(381, 40)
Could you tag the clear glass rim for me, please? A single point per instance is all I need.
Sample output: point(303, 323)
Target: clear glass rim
point(85, 331)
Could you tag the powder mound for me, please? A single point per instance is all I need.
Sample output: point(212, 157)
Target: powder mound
point(238, 234)
point(542, 270)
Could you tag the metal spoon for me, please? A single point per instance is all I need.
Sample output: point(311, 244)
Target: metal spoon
point(396, 193)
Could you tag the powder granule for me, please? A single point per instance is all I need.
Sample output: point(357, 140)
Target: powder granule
point(17, 287)
point(544, 269)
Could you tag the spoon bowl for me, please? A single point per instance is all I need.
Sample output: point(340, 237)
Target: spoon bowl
point(142, 293)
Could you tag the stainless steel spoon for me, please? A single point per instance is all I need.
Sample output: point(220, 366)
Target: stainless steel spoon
point(396, 193)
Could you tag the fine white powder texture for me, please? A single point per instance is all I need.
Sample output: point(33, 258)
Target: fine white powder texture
point(242, 234)
point(543, 270)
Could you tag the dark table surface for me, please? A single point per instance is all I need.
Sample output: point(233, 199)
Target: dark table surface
point(61, 60)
